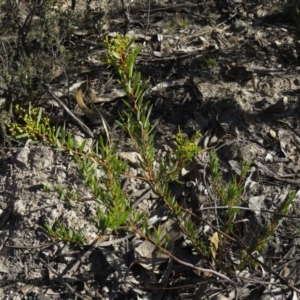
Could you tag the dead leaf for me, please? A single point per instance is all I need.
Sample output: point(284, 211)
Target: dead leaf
point(214, 244)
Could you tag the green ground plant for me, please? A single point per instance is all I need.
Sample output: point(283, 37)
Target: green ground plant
point(182, 22)
point(135, 120)
point(179, 22)
point(114, 213)
point(231, 194)
point(211, 61)
point(267, 233)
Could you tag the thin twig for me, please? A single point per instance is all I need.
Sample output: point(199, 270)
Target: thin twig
point(285, 282)
point(148, 18)
point(126, 16)
point(77, 120)
point(40, 247)
point(180, 261)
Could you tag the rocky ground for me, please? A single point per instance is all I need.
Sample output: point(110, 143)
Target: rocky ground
point(229, 69)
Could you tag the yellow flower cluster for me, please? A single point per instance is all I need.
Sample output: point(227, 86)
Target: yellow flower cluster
point(117, 49)
point(32, 126)
point(185, 145)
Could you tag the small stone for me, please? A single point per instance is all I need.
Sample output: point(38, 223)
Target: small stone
point(19, 208)
point(21, 159)
point(239, 26)
point(80, 139)
point(133, 158)
point(41, 157)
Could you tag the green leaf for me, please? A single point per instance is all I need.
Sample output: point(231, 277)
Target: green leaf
point(130, 69)
point(57, 132)
point(82, 146)
point(39, 117)
point(115, 54)
point(59, 145)
point(136, 80)
point(22, 135)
